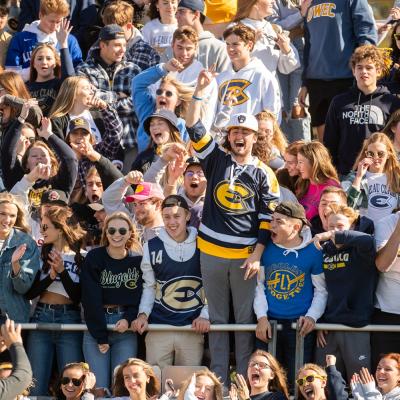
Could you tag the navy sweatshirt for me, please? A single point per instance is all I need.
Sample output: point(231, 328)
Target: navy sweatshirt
point(332, 30)
point(351, 277)
point(106, 280)
point(351, 118)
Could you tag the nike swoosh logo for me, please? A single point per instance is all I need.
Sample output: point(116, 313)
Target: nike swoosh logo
point(26, 40)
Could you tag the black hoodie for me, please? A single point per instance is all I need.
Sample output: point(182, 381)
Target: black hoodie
point(352, 117)
point(351, 278)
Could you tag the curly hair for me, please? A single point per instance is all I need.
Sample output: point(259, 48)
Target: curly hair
point(379, 57)
point(63, 219)
point(152, 387)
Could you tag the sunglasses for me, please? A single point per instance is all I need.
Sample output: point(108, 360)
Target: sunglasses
point(379, 154)
point(191, 174)
point(309, 379)
point(76, 382)
point(260, 364)
point(122, 231)
point(397, 36)
point(160, 92)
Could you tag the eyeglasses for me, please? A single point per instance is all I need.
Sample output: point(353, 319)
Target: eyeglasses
point(260, 364)
point(191, 174)
point(112, 231)
point(76, 382)
point(309, 379)
point(160, 92)
point(397, 36)
point(371, 154)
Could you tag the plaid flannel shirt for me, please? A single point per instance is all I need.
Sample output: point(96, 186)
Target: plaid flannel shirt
point(142, 54)
point(109, 145)
point(113, 91)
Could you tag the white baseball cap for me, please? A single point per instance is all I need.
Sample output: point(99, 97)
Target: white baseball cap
point(243, 120)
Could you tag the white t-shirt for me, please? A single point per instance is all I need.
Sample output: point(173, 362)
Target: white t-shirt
point(88, 116)
point(388, 289)
point(381, 201)
point(158, 35)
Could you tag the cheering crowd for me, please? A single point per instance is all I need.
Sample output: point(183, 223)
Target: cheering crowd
point(158, 169)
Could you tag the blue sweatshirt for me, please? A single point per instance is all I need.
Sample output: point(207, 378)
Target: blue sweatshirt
point(23, 43)
point(289, 285)
point(145, 104)
point(351, 278)
point(332, 30)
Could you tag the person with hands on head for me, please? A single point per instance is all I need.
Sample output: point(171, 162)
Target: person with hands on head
point(19, 259)
point(57, 284)
point(113, 290)
point(289, 255)
point(387, 375)
point(146, 201)
point(316, 383)
point(173, 259)
point(48, 70)
point(21, 376)
point(266, 379)
point(348, 264)
point(231, 227)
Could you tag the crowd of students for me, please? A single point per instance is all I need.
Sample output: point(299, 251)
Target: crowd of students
point(165, 175)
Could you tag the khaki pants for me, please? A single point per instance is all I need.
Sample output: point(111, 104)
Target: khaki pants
point(174, 348)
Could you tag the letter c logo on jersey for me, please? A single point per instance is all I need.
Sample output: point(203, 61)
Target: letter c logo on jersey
point(233, 89)
point(232, 197)
point(380, 201)
point(182, 294)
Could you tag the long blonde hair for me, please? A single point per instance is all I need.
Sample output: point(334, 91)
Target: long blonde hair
point(322, 168)
point(183, 91)
point(152, 387)
point(392, 165)
point(20, 223)
point(133, 242)
point(317, 369)
point(66, 97)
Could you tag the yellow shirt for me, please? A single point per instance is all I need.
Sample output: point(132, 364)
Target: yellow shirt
point(220, 11)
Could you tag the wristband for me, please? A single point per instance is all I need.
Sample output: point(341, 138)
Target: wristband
point(197, 98)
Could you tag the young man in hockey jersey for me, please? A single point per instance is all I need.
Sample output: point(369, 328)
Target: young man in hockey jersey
point(174, 261)
point(241, 194)
point(247, 81)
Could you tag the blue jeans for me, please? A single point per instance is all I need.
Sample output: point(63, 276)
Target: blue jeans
point(42, 345)
point(122, 347)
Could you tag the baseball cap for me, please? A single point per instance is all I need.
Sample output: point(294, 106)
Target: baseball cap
point(292, 210)
point(54, 197)
point(175, 200)
point(111, 32)
point(194, 5)
point(192, 161)
point(243, 120)
point(79, 123)
point(146, 190)
point(161, 113)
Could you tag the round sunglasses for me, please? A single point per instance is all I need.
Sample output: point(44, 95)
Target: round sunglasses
point(309, 379)
point(112, 231)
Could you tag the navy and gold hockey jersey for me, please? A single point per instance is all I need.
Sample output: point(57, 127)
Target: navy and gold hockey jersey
point(239, 199)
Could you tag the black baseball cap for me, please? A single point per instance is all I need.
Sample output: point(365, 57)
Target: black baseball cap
point(54, 196)
point(194, 5)
point(111, 32)
point(175, 200)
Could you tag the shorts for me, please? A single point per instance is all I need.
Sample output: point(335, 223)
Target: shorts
point(321, 94)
